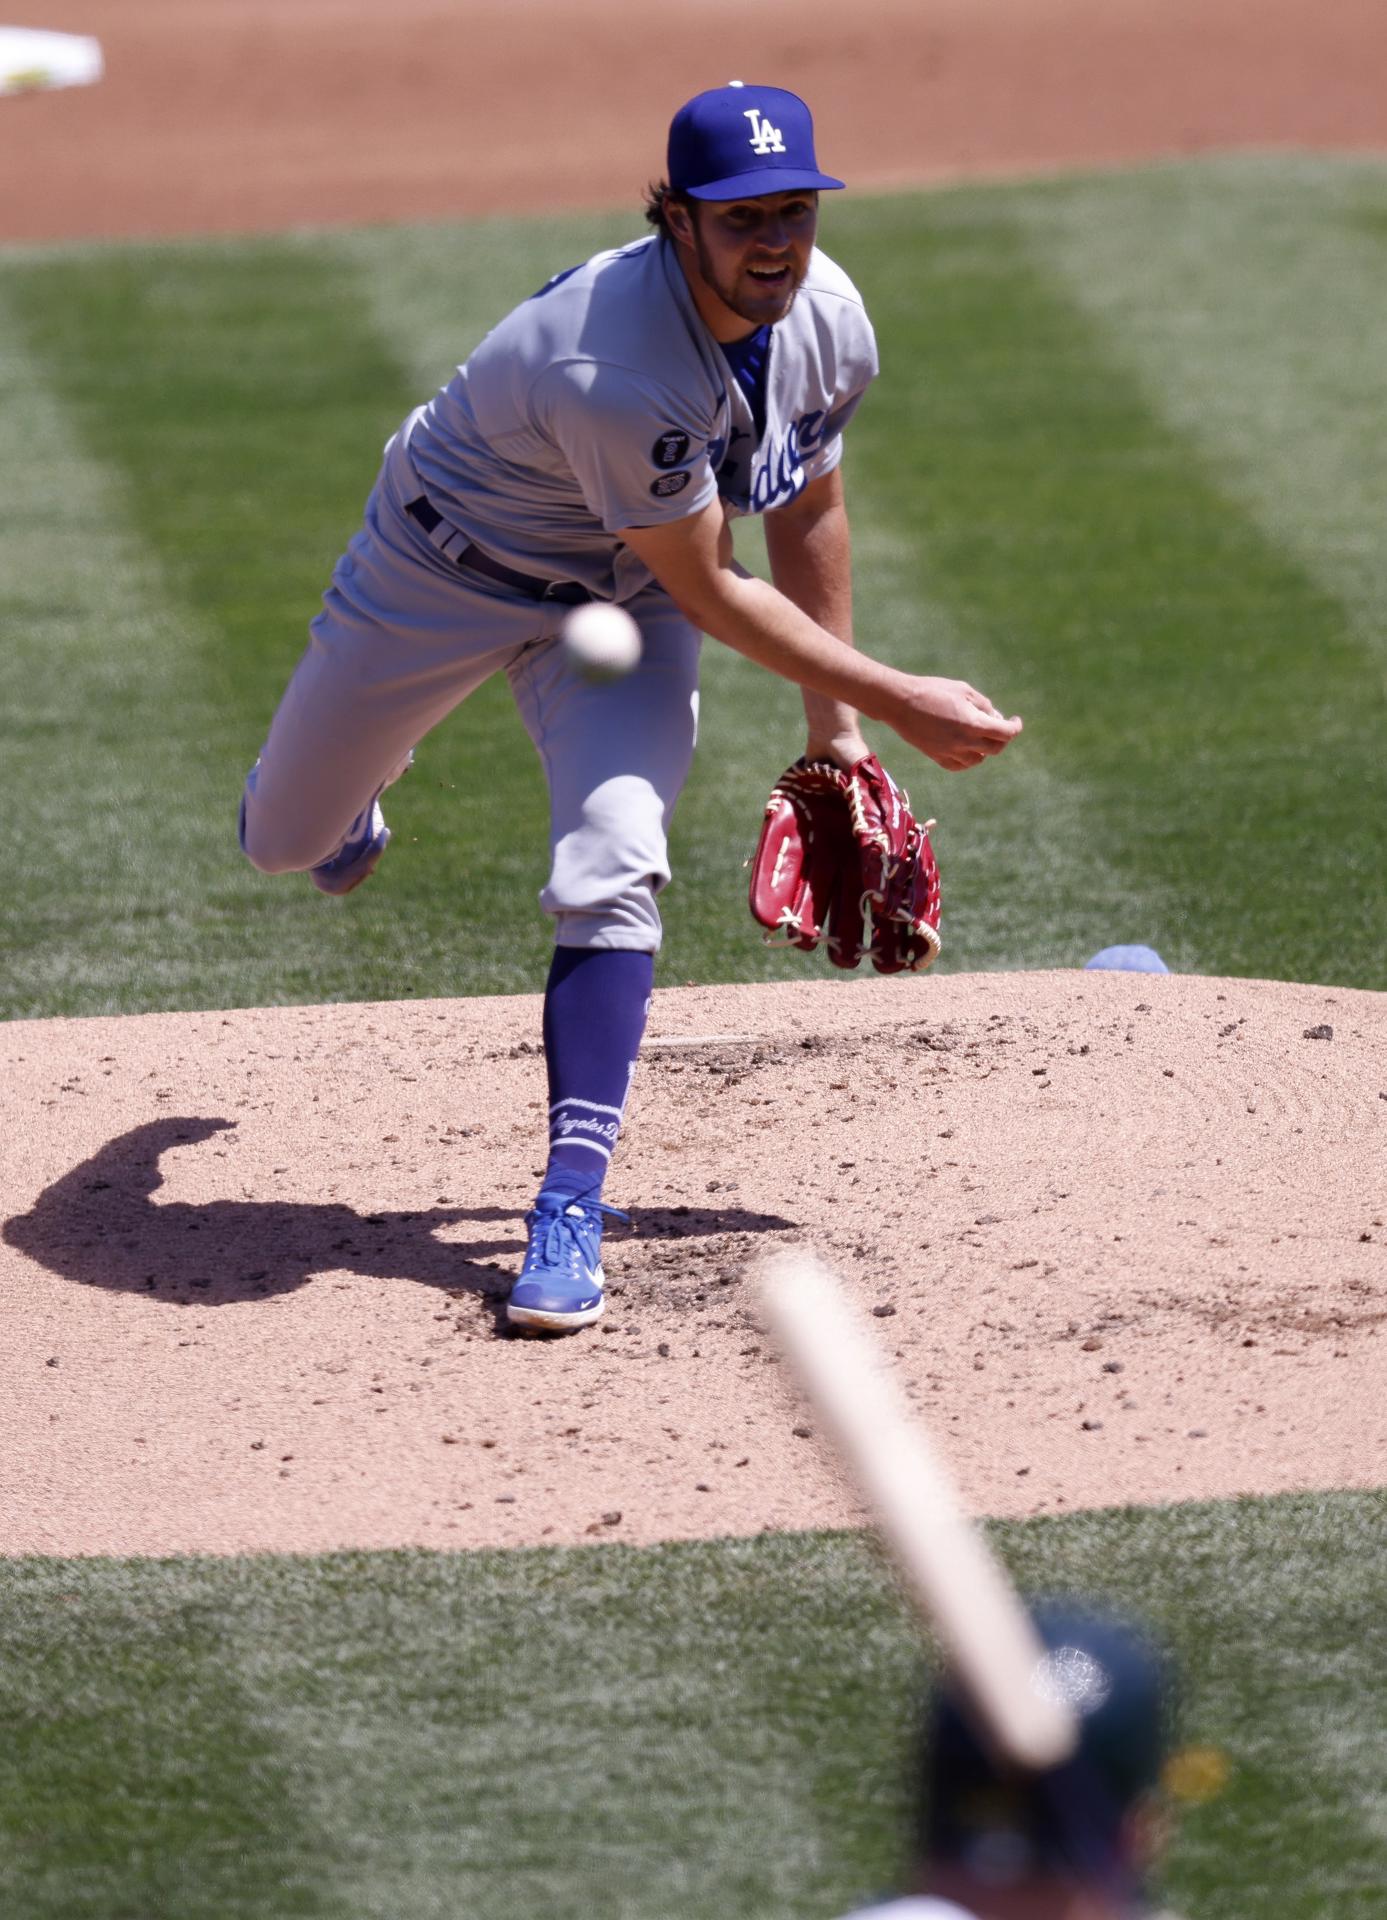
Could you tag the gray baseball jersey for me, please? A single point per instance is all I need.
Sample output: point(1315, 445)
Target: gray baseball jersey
point(601, 403)
point(604, 403)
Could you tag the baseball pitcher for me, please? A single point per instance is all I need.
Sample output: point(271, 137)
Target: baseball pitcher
point(598, 446)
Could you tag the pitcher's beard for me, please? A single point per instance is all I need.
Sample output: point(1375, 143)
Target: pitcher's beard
point(764, 309)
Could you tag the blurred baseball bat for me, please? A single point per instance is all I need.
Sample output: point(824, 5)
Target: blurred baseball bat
point(950, 1572)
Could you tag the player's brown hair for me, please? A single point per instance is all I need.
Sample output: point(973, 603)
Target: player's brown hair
point(657, 199)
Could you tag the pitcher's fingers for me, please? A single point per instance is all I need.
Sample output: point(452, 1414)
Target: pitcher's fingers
point(995, 727)
point(980, 700)
point(986, 706)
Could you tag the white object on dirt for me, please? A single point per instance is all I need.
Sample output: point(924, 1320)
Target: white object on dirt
point(32, 60)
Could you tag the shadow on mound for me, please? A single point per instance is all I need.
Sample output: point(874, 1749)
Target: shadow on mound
point(100, 1226)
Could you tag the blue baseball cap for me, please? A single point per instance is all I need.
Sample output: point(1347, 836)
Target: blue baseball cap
point(737, 141)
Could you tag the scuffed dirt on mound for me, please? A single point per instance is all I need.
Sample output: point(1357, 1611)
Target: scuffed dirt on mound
point(1122, 1236)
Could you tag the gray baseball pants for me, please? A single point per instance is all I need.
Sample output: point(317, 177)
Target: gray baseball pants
point(403, 637)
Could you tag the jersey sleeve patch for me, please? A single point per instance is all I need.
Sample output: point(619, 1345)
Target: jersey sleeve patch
point(622, 437)
point(670, 448)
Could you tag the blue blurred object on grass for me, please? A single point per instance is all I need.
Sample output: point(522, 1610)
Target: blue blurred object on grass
point(1127, 960)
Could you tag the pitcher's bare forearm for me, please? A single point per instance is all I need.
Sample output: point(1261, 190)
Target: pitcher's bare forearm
point(809, 544)
point(950, 721)
point(756, 619)
point(694, 562)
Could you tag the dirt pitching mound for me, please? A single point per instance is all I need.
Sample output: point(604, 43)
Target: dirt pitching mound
point(1123, 1236)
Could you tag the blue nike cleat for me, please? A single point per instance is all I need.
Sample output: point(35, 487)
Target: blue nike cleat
point(358, 856)
point(367, 838)
point(560, 1284)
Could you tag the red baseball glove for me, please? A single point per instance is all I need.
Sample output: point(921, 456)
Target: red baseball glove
point(842, 859)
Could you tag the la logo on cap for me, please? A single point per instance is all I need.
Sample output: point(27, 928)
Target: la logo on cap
point(764, 137)
point(721, 147)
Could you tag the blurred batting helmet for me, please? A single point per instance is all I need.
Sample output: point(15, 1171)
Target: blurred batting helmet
point(1004, 1824)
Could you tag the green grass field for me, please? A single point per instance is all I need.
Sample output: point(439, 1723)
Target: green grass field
point(715, 1732)
point(1125, 468)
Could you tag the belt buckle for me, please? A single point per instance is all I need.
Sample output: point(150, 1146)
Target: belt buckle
point(567, 592)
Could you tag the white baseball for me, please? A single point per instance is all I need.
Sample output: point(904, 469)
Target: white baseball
point(600, 641)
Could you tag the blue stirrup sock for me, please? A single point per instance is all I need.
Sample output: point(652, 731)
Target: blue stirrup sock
point(595, 1006)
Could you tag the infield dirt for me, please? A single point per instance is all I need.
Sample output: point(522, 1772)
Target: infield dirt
point(235, 115)
point(1123, 1235)
point(1115, 1230)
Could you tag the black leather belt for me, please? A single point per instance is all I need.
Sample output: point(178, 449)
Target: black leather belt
point(461, 551)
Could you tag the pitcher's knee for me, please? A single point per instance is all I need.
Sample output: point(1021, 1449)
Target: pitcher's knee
point(275, 845)
point(608, 869)
point(605, 896)
point(260, 854)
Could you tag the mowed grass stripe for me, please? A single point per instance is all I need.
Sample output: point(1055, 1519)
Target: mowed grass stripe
point(137, 1782)
point(707, 1729)
point(1250, 298)
point(1199, 684)
point(107, 792)
point(1032, 511)
point(1025, 882)
point(236, 401)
